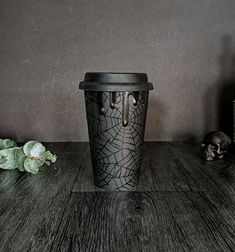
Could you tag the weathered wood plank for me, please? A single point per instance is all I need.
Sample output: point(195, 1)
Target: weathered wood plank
point(139, 221)
point(31, 207)
point(85, 181)
point(161, 171)
point(216, 218)
point(188, 205)
point(216, 180)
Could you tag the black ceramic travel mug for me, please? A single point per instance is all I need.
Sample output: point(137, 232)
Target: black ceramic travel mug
point(116, 107)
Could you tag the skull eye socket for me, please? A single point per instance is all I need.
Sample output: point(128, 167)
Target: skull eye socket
point(211, 146)
point(215, 146)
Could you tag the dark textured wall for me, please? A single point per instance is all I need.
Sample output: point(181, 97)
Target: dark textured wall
point(186, 47)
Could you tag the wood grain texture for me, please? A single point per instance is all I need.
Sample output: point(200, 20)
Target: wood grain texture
point(162, 171)
point(216, 180)
point(217, 177)
point(138, 221)
point(32, 205)
point(85, 181)
point(182, 204)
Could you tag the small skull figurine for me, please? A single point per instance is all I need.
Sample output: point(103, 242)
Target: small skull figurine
point(215, 145)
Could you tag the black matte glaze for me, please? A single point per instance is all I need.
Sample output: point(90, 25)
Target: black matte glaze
point(116, 138)
point(111, 82)
point(116, 108)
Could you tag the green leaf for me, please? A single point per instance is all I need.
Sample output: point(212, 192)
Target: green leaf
point(8, 143)
point(34, 149)
point(48, 156)
point(28, 146)
point(37, 150)
point(3, 159)
point(31, 165)
point(47, 163)
point(20, 157)
point(10, 158)
point(28, 158)
point(54, 158)
point(1, 144)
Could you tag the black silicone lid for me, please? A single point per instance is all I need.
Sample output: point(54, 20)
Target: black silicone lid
point(105, 81)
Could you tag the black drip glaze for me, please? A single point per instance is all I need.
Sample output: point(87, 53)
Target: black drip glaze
point(126, 103)
point(112, 99)
point(135, 97)
point(125, 109)
point(100, 102)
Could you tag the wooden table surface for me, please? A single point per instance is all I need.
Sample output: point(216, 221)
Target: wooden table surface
point(182, 204)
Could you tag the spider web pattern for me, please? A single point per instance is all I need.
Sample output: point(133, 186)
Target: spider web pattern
point(116, 151)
